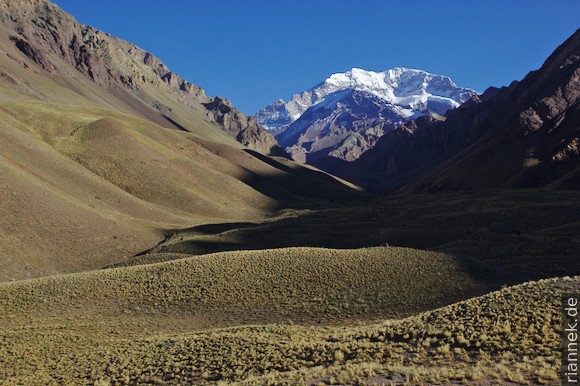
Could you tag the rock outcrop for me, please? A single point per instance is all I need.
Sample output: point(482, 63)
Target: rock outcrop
point(245, 129)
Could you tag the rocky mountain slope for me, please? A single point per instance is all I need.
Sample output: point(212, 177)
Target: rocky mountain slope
point(47, 36)
point(524, 135)
point(345, 115)
point(103, 150)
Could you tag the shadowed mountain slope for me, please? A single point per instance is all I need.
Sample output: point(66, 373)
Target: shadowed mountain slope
point(105, 153)
point(524, 135)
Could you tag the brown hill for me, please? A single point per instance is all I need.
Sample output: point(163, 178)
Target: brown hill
point(524, 135)
point(102, 151)
point(49, 38)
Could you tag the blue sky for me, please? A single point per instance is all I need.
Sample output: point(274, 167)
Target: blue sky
point(255, 51)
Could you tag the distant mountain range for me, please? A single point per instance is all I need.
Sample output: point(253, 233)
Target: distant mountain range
point(404, 130)
point(526, 135)
point(346, 114)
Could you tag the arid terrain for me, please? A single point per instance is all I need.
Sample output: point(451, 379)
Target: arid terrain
point(151, 234)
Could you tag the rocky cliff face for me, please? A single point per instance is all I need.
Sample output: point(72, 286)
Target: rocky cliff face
point(524, 135)
point(47, 36)
point(245, 129)
point(343, 126)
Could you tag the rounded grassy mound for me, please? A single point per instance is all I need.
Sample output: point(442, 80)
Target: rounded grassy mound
point(307, 285)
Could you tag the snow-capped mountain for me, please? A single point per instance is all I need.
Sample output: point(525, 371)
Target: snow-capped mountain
point(347, 108)
point(415, 90)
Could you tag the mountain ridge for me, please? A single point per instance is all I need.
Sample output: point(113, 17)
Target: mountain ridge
point(104, 150)
point(46, 35)
point(384, 84)
point(148, 245)
point(523, 135)
point(345, 115)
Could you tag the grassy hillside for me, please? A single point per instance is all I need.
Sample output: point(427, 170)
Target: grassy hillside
point(510, 335)
point(305, 285)
point(115, 183)
point(257, 270)
point(103, 150)
point(161, 166)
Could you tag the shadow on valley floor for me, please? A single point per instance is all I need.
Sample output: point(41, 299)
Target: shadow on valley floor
point(504, 236)
point(301, 186)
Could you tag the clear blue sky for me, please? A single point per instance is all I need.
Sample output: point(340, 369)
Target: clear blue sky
point(255, 51)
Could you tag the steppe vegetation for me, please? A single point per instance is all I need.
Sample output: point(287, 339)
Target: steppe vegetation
point(277, 304)
point(116, 183)
point(508, 336)
point(141, 243)
point(302, 285)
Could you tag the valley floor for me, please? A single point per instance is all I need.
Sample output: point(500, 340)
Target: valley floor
point(398, 290)
point(507, 337)
point(503, 236)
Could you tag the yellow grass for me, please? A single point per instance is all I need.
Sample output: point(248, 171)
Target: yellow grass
point(307, 285)
point(36, 351)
